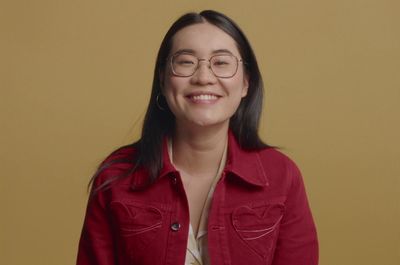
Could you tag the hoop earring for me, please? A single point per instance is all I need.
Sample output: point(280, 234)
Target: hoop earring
point(158, 103)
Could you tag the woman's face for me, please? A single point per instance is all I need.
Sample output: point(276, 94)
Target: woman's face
point(203, 99)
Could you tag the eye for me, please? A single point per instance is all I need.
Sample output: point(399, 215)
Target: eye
point(184, 60)
point(222, 61)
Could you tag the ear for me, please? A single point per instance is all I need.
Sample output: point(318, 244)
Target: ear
point(245, 88)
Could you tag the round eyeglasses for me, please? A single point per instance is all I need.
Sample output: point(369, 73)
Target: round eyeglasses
point(222, 65)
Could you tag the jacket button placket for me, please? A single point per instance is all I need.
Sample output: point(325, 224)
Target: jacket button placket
point(177, 237)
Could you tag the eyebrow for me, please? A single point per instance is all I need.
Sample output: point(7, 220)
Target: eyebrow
point(191, 51)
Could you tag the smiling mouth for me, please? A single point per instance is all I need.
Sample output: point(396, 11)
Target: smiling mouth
point(203, 98)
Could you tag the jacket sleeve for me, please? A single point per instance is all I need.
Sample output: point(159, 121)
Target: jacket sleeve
point(96, 245)
point(297, 241)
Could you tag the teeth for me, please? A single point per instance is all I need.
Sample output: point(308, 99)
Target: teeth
point(205, 97)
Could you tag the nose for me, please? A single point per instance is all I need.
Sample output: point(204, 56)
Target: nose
point(204, 74)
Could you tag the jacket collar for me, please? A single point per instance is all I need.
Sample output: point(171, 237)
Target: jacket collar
point(168, 167)
point(242, 163)
point(245, 164)
point(140, 176)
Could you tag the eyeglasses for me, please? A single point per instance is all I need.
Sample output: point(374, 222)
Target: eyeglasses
point(222, 65)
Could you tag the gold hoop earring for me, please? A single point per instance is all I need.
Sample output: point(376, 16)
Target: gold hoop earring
point(158, 103)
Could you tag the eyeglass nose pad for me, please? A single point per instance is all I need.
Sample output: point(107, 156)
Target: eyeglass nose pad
point(204, 60)
point(208, 65)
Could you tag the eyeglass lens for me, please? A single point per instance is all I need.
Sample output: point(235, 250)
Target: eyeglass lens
point(221, 65)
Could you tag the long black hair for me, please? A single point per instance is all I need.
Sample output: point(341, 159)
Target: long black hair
point(160, 122)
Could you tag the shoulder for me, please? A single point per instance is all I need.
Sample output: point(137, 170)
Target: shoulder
point(115, 165)
point(280, 167)
point(122, 153)
point(273, 157)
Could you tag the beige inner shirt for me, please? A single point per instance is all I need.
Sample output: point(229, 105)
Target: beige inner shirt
point(197, 251)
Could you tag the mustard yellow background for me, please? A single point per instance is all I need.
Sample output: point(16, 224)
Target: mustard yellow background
point(75, 79)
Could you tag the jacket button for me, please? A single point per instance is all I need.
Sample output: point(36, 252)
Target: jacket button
point(173, 178)
point(175, 226)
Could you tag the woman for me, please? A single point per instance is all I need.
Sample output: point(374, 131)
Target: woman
point(200, 187)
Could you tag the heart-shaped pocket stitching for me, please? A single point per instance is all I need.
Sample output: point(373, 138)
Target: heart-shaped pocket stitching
point(257, 225)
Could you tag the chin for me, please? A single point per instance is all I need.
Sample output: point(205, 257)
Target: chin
point(208, 122)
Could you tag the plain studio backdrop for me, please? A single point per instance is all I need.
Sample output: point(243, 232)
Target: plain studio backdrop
point(75, 79)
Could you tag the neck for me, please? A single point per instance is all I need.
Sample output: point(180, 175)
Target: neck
point(198, 151)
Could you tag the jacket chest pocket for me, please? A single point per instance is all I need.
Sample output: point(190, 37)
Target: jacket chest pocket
point(136, 225)
point(257, 225)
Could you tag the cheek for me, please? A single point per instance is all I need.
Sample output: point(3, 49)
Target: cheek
point(174, 84)
point(237, 90)
point(173, 91)
point(236, 87)
point(167, 81)
point(169, 86)
point(245, 88)
point(236, 102)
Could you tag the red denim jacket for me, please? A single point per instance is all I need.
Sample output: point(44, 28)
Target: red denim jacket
point(259, 214)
